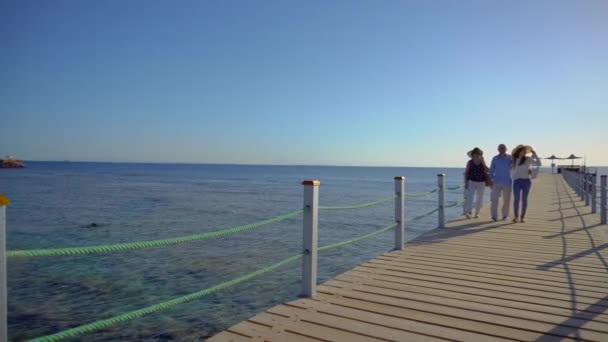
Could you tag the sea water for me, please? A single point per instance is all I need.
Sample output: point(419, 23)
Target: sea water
point(62, 204)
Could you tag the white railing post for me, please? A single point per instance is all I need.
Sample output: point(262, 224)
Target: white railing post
point(582, 186)
point(399, 212)
point(573, 181)
point(603, 199)
point(3, 292)
point(581, 191)
point(593, 189)
point(441, 200)
point(587, 184)
point(586, 189)
point(310, 222)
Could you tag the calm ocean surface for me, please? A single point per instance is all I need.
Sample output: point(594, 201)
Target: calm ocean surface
point(52, 203)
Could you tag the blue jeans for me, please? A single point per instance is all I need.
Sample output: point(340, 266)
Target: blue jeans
point(521, 187)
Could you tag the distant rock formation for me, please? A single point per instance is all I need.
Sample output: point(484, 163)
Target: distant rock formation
point(11, 163)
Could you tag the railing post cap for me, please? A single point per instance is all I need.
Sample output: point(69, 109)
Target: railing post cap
point(4, 200)
point(399, 178)
point(311, 182)
point(441, 175)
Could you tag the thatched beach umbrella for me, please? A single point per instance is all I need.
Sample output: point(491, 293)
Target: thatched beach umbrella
point(572, 157)
point(553, 157)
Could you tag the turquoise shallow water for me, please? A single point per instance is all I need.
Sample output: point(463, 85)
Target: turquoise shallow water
point(54, 204)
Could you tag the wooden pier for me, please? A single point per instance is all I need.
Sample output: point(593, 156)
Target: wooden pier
point(476, 280)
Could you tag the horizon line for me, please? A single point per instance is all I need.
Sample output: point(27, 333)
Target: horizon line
point(211, 163)
point(246, 164)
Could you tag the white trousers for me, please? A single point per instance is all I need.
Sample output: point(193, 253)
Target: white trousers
point(476, 190)
point(499, 190)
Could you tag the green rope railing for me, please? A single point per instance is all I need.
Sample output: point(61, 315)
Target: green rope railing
point(105, 323)
point(357, 239)
point(418, 194)
point(359, 206)
point(82, 250)
point(455, 203)
point(380, 231)
point(146, 244)
point(370, 204)
point(425, 215)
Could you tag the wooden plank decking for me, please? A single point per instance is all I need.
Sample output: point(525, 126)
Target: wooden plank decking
point(477, 280)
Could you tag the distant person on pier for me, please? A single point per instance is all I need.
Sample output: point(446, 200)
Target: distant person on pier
point(520, 172)
point(476, 178)
point(500, 173)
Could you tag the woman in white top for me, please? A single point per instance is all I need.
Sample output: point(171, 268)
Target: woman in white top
point(520, 172)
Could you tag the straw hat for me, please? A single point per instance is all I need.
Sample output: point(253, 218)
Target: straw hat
point(519, 148)
point(475, 150)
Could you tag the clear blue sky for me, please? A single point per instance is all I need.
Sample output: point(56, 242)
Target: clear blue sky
point(414, 83)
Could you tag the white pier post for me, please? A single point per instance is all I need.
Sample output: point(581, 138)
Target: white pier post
point(587, 184)
point(581, 183)
point(603, 199)
point(399, 212)
point(593, 189)
point(583, 180)
point(310, 219)
point(441, 200)
point(570, 177)
point(3, 284)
